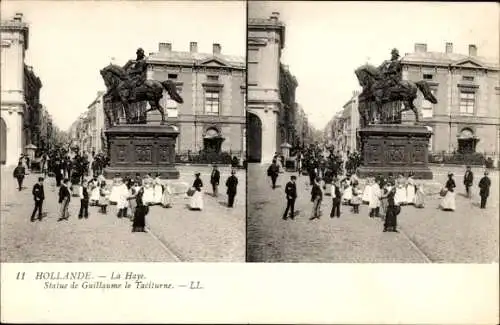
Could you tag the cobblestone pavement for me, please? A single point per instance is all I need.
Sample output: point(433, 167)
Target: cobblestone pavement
point(468, 235)
point(216, 234)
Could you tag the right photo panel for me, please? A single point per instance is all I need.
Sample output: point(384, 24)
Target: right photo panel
point(372, 132)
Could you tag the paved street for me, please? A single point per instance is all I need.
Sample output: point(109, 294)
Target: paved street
point(429, 235)
point(216, 234)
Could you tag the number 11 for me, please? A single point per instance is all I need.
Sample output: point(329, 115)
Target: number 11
point(20, 276)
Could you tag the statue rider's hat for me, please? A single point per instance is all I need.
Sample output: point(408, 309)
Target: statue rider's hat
point(139, 50)
point(395, 51)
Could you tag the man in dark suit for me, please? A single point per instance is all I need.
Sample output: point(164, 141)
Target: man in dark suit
point(337, 197)
point(291, 196)
point(38, 196)
point(273, 172)
point(484, 189)
point(19, 173)
point(232, 184)
point(214, 180)
point(468, 180)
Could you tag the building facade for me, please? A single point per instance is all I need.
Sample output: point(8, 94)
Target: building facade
point(266, 39)
point(466, 117)
point(213, 86)
point(341, 130)
point(14, 43)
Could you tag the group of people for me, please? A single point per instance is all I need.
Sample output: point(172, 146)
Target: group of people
point(448, 191)
point(384, 195)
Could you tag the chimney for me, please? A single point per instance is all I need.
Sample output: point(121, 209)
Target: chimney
point(216, 48)
point(193, 47)
point(472, 50)
point(449, 47)
point(18, 16)
point(420, 48)
point(275, 15)
point(165, 47)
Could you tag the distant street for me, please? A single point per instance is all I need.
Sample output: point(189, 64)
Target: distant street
point(216, 234)
point(429, 235)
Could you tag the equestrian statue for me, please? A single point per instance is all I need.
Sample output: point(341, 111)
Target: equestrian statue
point(128, 88)
point(384, 85)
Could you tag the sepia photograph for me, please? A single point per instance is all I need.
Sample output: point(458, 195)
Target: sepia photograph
point(123, 131)
point(373, 132)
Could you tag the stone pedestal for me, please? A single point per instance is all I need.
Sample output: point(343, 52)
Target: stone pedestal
point(394, 149)
point(285, 149)
point(142, 149)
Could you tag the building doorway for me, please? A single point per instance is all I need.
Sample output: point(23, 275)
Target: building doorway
point(212, 142)
point(3, 142)
point(254, 138)
point(467, 141)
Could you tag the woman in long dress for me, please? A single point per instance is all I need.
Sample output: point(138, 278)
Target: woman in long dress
point(419, 196)
point(166, 200)
point(148, 197)
point(374, 204)
point(393, 209)
point(94, 192)
point(448, 202)
point(400, 196)
point(367, 191)
point(347, 194)
point(197, 198)
point(141, 210)
point(410, 190)
point(157, 190)
point(114, 196)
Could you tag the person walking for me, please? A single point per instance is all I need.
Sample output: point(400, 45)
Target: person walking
point(141, 210)
point(84, 201)
point(19, 173)
point(393, 209)
point(231, 184)
point(316, 198)
point(336, 199)
point(38, 197)
point(214, 180)
point(468, 180)
point(291, 196)
point(273, 172)
point(64, 199)
point(484, 189)
point(448, 202)
point(196, 202)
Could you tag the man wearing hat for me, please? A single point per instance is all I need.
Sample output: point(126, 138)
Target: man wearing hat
point(38, 196)
point(291, 196)
point(214, 180)
point(484, 189)
point(468, 180)
point(231, 184)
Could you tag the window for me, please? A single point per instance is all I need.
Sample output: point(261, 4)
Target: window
point(467, 102)
point(468, 78)
point(428, 106)
point(428, 76)
point(212, 102)
point(213, 78)
point(172, 76)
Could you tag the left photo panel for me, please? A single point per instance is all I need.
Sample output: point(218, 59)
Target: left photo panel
point(123, 132)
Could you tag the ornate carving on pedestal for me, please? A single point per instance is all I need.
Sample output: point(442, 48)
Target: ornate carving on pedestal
point(121, 153)
point(396, 154)
point(143, 153)
point(164, 153)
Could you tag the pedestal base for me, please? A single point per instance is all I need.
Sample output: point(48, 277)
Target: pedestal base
point(395, 149)
point(141, 149)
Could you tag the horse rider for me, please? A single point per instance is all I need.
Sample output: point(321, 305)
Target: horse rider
point(391, 71)
point(136, 74)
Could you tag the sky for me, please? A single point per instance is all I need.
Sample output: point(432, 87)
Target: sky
point(326, 41)
point(70, 41)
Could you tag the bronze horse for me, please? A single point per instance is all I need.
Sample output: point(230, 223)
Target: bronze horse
point(151, 91)
point(405, 92)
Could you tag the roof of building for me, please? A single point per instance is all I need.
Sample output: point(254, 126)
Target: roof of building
point(441, 58)
point(179, 57)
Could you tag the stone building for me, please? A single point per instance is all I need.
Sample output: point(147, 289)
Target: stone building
point(466, 117)
point(95, 116)
point(288, 112)
point(14, 43)
point(341, 130)
point(213, 86)
point(266, 40)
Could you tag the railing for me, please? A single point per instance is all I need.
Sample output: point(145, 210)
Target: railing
point(222, 158)
point(473, 159)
